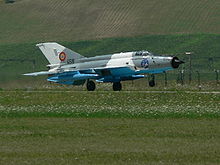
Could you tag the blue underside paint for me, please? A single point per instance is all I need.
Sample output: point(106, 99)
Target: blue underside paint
point(116, 75)
point(69, 78)
point(154, 71)
point(121, 72)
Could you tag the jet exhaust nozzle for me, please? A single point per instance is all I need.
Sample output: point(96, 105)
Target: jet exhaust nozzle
point(176, 62)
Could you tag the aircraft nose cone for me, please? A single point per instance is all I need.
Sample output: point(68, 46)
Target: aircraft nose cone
point(176, 62)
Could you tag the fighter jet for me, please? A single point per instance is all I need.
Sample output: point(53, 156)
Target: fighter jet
point(70, 68)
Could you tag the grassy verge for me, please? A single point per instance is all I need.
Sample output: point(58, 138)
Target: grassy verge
point(108, 104)
point(105, 127)
point(109, 141)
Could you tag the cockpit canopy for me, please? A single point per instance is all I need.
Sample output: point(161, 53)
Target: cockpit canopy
point(143, 53)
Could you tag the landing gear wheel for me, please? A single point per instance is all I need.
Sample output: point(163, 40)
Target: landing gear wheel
point(117, 86)
point(90, 86)
point(152, 83)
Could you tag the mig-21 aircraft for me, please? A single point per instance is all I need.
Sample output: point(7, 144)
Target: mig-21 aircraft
point(70, 68)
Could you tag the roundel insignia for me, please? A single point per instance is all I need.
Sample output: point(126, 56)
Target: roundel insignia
point(62, 56)
point(144, 63)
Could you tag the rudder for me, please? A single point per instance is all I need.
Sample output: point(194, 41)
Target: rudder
point(58, 54)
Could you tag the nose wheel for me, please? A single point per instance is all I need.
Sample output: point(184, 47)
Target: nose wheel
point(117, 86)
point(152, 81)
point(90, 85)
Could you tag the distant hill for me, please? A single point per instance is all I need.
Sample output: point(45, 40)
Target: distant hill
point(95, 27)
point(73, 20)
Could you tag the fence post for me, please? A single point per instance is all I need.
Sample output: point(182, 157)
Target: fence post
point(217, 72)
point(165, 78)
point(190, 65)
point(182, 77)
point(199, 82)
point(34, 64)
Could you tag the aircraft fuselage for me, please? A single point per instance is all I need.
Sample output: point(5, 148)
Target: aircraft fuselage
point(71, 68)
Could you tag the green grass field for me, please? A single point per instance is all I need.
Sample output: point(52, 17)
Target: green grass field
point(63, 127)
point(45, 124)
point(134, 104)
point(109, 141)
point(36, 21)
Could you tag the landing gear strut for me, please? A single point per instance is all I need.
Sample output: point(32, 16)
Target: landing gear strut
point(152, 81)
point(117, 86)
point(90, 85)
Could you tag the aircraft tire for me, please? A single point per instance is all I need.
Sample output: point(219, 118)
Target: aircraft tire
point(90, 86)
point(152, 83)
point(117, 86)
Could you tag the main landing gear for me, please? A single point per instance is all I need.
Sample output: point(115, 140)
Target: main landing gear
point(90, 85)
point(117, 86)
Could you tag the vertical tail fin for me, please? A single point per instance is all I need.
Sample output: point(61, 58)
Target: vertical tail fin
point(58, 54)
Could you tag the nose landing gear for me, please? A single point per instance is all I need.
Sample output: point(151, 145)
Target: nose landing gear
point(152, 81)
point(117, 86)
